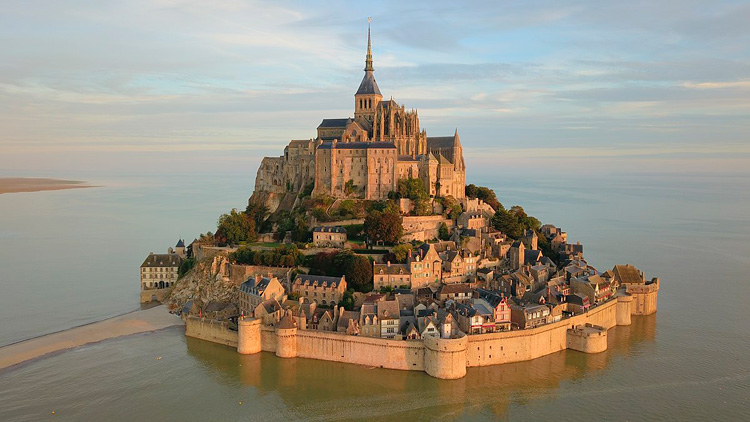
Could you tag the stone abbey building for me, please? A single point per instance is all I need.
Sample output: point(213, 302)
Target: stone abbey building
point(364, 156)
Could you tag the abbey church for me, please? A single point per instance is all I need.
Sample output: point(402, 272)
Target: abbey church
point(366, 155)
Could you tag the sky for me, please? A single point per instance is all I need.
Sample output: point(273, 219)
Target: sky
point(179, 85)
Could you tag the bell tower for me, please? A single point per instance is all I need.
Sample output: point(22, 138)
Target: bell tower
point(368, 95)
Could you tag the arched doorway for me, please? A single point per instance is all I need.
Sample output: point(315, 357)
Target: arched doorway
point(161, 284)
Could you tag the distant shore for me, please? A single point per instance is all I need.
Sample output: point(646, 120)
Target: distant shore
point(35, 184)
point(148, 320)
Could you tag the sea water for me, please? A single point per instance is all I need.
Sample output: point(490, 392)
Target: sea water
point(72, 257)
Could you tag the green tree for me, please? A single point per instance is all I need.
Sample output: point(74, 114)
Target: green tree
point(347, 300)
point(401, 251)
point(235, 227)
point(443, 232)
point(384, 226)
point(507, 223)
point(258, 212)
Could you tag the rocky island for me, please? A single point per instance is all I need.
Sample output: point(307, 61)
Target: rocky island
point(364, 244)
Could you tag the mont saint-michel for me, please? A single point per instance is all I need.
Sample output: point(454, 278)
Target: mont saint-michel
point(364, 244)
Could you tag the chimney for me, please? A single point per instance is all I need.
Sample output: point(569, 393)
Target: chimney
point(389, 263)
point(421, 252)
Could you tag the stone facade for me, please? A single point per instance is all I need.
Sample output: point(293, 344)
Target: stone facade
point(364, 156)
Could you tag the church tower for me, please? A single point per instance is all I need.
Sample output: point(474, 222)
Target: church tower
point(368, 95)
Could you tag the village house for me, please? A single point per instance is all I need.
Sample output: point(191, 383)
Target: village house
point(319, 289)
point(425, 266)
point(529, 315)
point(578, 303)
point(323, 319)
point(474, 220)
point(388, 316)
point(329, 237)
point(160, 271)
point(368, 320)
point(348, 322)
point(460, 292)
point(391, 275)
point(500, 307)
point(459, 266)
point(269, 312)
point(257, 289)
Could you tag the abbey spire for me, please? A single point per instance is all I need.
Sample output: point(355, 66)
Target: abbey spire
point(368, 95)
point(368, 59)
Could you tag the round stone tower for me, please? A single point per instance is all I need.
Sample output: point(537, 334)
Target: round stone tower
point(624, 308)
point(445, 358)
point(286, 338)
point(248, 336)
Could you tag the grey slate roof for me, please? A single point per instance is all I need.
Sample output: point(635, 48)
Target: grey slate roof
point(435, 142)
point(322, 280)
point(334, 229)
point(162, 260)
point(368, 85)
point(334, 123)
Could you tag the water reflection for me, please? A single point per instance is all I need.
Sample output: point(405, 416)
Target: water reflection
point(330, 389)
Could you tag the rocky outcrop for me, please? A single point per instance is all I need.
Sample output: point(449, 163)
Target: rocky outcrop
point(207, 282)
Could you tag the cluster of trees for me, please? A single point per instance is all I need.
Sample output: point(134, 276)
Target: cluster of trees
point(451, 207)
point(513, 222)
point(283, 256)
point(236, 227)
point(485, 194)
point(413, 189)
point(240, 226)
point(356, 268)
point(384, 223)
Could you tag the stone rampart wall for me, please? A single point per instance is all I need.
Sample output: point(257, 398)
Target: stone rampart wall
point(154, 295)
point(520, 345)
point(441, 358)
point(210, 330)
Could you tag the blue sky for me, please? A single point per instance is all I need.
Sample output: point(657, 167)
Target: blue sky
point(582, 85)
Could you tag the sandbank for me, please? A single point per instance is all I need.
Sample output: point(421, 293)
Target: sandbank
point(34, 184)
point(152, 319)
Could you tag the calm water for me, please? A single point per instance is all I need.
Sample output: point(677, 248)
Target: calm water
point(71, 257)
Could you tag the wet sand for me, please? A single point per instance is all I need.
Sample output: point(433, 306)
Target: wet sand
point(33, 184)
point(136, 322)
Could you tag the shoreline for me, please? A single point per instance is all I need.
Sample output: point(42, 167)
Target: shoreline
point(38, 184)
point(136, 322)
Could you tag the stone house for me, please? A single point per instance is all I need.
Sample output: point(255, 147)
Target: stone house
point(269, 312)
point(327, 237)
point(348, 322)
point(602, 288)
point(388, 316)
point(429, 326)
point(368, 320)
point(529, 315)
point(319, 289)
point(578, 303)
point(517, 255)
point(323, 319)
point(530, 239)
point(409, 329)
point(426, 266)
point(160, 271)
point(391, 275)
point(258, 289)
point(500, 307)
point(472, 220)
point(460, 292)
